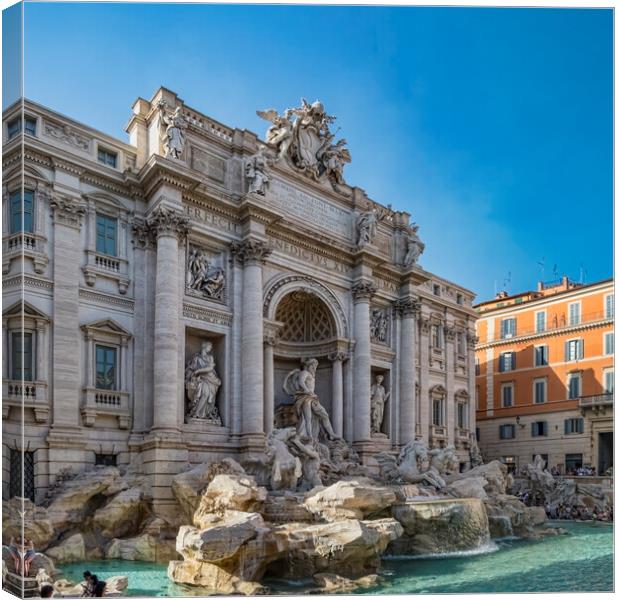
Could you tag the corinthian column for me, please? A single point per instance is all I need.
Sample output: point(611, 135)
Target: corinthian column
point(169, 226)
point(337, 392)
point(252, 254)
point(271, 339)
point(408, 308)
point(425, 328)
point(362, 292)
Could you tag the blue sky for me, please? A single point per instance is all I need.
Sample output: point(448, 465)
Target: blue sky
point(493, 127)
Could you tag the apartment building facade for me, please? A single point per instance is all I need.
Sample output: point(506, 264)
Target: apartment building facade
point(545, 376)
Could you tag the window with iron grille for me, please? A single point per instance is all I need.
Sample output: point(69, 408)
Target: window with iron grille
point(21, 463)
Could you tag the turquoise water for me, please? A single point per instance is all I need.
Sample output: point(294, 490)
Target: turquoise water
point(579, 562)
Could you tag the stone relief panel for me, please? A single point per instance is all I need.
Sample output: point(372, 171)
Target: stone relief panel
point(205, 274)
point(208, 164)
point(67, 135)
point(379, 325)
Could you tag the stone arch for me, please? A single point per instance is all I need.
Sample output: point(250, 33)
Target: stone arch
point(283, 285)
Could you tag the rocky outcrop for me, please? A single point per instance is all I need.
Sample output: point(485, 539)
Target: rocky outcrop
point(469, 487)
point(494, 474)
point(71, 549)
point(508, 516)
point(36, 522)
point(353, 499)
point(123, 515)
point(330, 583)
point(440, 526)
point(145, 547)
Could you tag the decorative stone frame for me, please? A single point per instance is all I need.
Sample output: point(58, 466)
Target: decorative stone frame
point(104, 265)
point(438, 432)
point(32, 395)
point(210, 248)
point(106, 402)
point(32, 246)
point(462, 434)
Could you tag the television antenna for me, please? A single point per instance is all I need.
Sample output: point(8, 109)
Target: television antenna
point(542, 268)
point(555, 271)
point(506, 281)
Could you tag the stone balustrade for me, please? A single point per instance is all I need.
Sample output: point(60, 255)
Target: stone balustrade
point(29, 394)
point(105, 402)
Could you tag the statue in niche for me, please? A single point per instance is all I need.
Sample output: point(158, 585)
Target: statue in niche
point(202, 277)
point(379, 325)
point(255, 173)
point(202, 384)
point(415, 246)
point(367, 222)
point(378, 398)
point(312, 419)
point(174, 134)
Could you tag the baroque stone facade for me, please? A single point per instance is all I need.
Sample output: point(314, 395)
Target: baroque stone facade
point(172, 282)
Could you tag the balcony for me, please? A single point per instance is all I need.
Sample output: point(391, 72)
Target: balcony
point(105, 402)
point(597, 403)
point(562, 323)
point(31, 395)
point(110, 267)
point(439, 432)
point(22, 243)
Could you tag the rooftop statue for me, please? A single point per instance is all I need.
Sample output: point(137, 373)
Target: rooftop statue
point(303, 138)
point(174, 133)
point(415, 246)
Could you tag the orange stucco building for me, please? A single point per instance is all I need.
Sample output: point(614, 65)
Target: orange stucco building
point(544, 376)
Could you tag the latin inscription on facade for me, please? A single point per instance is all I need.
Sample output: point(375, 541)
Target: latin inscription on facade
point(310, 209)
point(219, 222)
point(307, 255)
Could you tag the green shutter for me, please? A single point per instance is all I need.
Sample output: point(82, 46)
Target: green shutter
point(579, 425)
point(566, 351)
point(544, 427)
point(580, 347)
point(566, 426)
point(534, 430)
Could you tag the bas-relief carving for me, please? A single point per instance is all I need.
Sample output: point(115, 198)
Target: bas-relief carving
point(200, 313)
point(203, 276)
point(173, 126)
point(211, 166)
point(378, 398)
point(67, 135)
point(307, 255)
point(68, 211)
point(202, 384)
point(311, 209)
point(303, 139)
point(379, 321)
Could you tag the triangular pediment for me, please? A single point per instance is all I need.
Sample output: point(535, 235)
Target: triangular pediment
point(107, 326)
point(21, 307)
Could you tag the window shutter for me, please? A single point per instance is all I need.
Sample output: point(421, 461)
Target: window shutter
point(544, 427)
point(513, 360)
point(501, 364)
point(503, 328)
point(534, 428)
point(566, 351)
point(579, 425)
point(545, 353)
point(566, 426)
point(580, 345)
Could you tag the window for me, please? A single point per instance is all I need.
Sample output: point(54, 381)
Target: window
point(477, 366)
point(609, 306)
point(539, 428)
point(106, 234)
point(508, 328)
point(109, 460)
point(107, 157)
point(540, 391)
point(106, 367)
point(574, 313)
point(30, 126)
point(609, 343)
point(437, 336)
point(507, 394)
point(507, 361)
point(541, 356)
point(506, 432)
point(22, 356)
point(574, 385)
point(608, 385)
point(461, 415)
point(573, 462)
point(460, 344)
point(21, 211)
point(438, 412)
point(21, 462)
point(573, 425)
point(459, 298)
point(14, 127)
point(541, 321)
point(478, 397)
point(573, 350)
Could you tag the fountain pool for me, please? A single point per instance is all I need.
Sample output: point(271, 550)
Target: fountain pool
point(579, 562)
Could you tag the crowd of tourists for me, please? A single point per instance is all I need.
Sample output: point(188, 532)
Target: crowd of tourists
point(93, 587)
point(580, 513)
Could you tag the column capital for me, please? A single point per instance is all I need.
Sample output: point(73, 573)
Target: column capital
point(425, 324)
point(363, 290)
point(271, 338)
point(407, 307)
point(168, 222)
point(450, 332)
point(472, 340)
point(338, 356)
point(251, 251)
point(67, 210)
point(143, 234)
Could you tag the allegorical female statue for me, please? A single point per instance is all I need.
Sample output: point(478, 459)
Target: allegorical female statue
point(202, 384)
point(174, 132)
point(312, 418)
point(378, 398)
